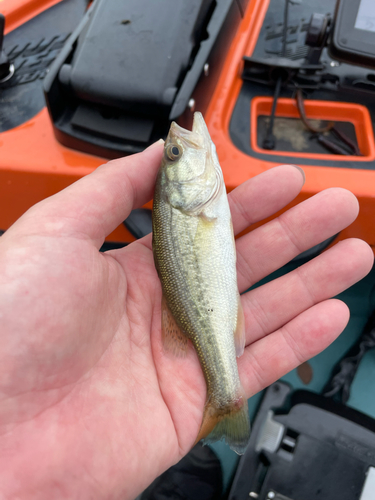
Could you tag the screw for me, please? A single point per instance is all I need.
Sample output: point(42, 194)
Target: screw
point(271, 494)
point(206, 69)
point(191, 105)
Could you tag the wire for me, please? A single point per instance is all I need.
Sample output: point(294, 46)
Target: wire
point(269, 141)
point(302, 112)
point(331, 146)
point(346, 140)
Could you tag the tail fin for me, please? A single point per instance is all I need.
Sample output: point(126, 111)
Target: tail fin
point(234, 427)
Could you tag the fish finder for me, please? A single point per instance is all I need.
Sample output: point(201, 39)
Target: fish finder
point(352, 38)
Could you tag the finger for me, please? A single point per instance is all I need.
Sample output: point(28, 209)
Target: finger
point(272, 245)
point(264, 195)
point(96, 204)
point(311, 332)
point(274, 304)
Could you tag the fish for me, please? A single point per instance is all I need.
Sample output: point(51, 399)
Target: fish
point(195, 258)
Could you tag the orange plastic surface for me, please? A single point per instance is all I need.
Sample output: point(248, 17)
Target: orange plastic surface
point(33, 165)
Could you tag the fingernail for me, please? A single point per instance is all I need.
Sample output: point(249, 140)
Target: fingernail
point(157, 143)
point(302, 172)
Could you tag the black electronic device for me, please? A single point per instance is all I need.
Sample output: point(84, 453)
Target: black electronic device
point(305, 446)
point(353, 35)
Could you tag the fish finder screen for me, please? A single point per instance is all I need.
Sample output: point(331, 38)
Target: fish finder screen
point(366, 16)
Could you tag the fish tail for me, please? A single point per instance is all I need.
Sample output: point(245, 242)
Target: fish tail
point(233, 426)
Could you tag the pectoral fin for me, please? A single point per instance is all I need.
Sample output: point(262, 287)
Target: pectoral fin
point(173, 339)
point(239, 334)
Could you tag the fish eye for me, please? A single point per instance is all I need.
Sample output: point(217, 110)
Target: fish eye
point(174, 152)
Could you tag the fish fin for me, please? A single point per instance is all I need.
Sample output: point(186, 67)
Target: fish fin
point(233, 427)
point(239, 334)
point(173, 339)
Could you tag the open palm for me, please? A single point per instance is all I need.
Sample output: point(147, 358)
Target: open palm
point(90, 404)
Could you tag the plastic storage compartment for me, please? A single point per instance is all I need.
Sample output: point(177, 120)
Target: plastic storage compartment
point(338, 112)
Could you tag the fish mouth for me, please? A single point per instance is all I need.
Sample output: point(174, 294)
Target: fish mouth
point(200, 127)
point(198, 137)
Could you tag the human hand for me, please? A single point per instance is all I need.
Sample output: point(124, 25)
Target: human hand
point(90, 404)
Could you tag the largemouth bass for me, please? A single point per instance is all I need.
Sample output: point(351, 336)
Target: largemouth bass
point(195, 256)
